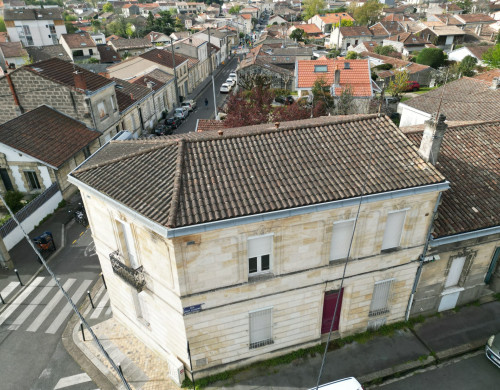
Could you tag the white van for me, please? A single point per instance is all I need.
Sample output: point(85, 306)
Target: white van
point(342, 384)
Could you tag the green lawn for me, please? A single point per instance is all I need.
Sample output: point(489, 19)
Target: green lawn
point(404, 99)
point(424, 90)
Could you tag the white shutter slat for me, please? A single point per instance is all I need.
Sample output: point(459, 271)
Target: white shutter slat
point(393, 229)
point(341, 239)
point(260, 328)
point(380, 297)
point(129, 241)
point(260, 246)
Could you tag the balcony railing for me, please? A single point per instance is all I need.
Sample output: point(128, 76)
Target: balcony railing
point(134, 277)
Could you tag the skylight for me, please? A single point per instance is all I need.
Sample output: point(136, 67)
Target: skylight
point(320, 68)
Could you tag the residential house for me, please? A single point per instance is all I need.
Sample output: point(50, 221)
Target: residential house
point(219, 39)
point(184, 7)
point(339, 75)
point(67, 88)
point(245, 21)
point(252, 11)
point(406, 43)
point(35, 27)
point(465, 99)
point(12, 55)
point(130, 9)
point(473, 51)
point(279, 77)
point(183, 263)
point(159, 39)
point(276, 19)
point(390, 17)
point(106, 17)
point(146, 8)
point(163, 87)
point(108, 55)
point(99, 38)
point(40, 148)
point(488, 76)
point(347, 37)
point(446, 8)
point(42, 53)
point(209, 125)
point(383, 30)
point(461, 264)
point(177, 35)
point(326, 22)
point(284, 57)
point(131, 47)
point(443, 36)
point(311, 31)
point(79, 46)
point(196, 50)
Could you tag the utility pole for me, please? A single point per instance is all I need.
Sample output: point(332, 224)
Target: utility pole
point(212, 73)
point(177, 102)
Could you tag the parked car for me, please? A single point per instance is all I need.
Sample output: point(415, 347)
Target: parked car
point(391, 100)
point(412, 86)
point(189, 104)
point(231, 82)
point(493, 349)
point(173, 122)
point(181, 112)
point(285, 99)
point(225, 88)
point(342, 384)
point(233, 76)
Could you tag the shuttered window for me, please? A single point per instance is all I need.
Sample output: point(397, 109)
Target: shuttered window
point(261, 328)
point(341, 239)
point(380, 297)
point(393, 229)
point(129, 245)
point(260, 254)
point(455, 271)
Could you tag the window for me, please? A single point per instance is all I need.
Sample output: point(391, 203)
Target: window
point(393, 229)
point(320, 68)
point(455, 272)
point(261, 328)
point(91, 52)
point(86, 152)
point(101, 108)
point(259, 254)
point(32, 180)
point(380, 297)
point(141, 306)
point(127, 244)
point(113, 103)
point(341, 239)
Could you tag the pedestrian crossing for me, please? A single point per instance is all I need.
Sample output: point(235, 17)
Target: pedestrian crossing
point(42, 307)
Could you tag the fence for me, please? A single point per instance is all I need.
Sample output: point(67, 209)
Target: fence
point(30, 215)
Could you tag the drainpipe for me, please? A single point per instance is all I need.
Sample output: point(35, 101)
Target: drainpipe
point(422, 257)
point(19, 108)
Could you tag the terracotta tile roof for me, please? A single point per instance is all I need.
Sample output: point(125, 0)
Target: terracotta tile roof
point(396, 18)
point(164, 57)
point(12, 49)
point(129, 93)
point(408, 39)
point(469, 160)
point(488, 76)
point(112, 38)
point(478, 51)
point(202, 177)
point(209, 125)
point(449, 19)
point(450, 7)
point(4, 36)
point(357, 76)
point(309, 28)
point(463, 99)
point(78, 40)
point(108, 54)
point(62, 72)
point(47, 135)
point(355, 31)
point(157, 76)
point(43, 53)
point(133, 43)
point(369, 45)
point(444, 30)
point(411, 67)
point(246, 16)
point(382, 29)
point(334, 18)
point(475, 18)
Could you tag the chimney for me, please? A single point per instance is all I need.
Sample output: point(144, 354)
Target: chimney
point(495, 84)
point(277, 125)
point(220, 132)
point(447, 20)
point(19, 110)
point(131, 96)
point(432, 138)
point(398, 38)
point(336, 79)
point(79, 79)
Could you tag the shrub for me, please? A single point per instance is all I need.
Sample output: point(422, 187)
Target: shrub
point(383, 67)
point(13, 200)
point(432, 57)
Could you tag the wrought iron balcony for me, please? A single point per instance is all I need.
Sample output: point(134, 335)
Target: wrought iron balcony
point(134, 277)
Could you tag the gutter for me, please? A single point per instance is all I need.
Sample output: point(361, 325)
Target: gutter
point(465, 236)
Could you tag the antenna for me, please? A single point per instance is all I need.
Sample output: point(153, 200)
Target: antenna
point(442, 94)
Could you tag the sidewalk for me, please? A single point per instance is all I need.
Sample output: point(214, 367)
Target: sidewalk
point(25, 259)
point(438, 338)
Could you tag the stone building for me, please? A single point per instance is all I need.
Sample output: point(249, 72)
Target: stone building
point(71, 90)
point(80, 46)
point(280, 77)
point(236, 240)
point(163, 87)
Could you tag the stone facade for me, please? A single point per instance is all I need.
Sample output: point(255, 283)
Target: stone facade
point(280, 78)
point(211, 269)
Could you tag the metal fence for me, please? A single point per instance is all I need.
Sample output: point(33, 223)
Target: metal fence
point(29, 209)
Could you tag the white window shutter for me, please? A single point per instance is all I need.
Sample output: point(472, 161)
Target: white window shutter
point(144, 308)
point(260, 328)
point(129, 242)
point(259, 246)
point(341, 239)
point(380, 297)
point(393, 229)
point(455, 271)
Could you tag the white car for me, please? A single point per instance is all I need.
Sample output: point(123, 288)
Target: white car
point(181, 112)
point(233, 76)
point(225, 88)
point(342, 384)
point(231, 82)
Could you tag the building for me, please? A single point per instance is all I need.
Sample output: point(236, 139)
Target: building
point(163, 87)
point(196, 50)
point(35, 27)
point(158, 38)
point(279, 77)
point(108, 55)
point(344, 38)
point(40, 148)
point(473, 51)
point(131, 47)
point(444, 37)
point(80, 46)
point(406, 43)
point(246, 263)
point(12, 55)
point(311, 31)
point(326, 22)
point(42, 53)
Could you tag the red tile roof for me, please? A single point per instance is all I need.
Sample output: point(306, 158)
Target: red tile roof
point(334, 18)
point(47, 135)
point(309, 28)
point(355, 31)
point(164, 57)
point(78, 40)
point(488, 76)
point(246, 16)
point(209, 125)
point(357, 76)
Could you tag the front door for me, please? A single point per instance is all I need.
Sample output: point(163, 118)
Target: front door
point(6, 179)
point(329, 304)
point(492, 267)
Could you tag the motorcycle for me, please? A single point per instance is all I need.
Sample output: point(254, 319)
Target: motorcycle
point(80, 215)
point(45, 243)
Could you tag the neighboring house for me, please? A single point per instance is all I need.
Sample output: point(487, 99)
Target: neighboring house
point(252, 11)
point(66, 87)
point(462, 263)
point(12, 55)
point(35, 27)
point(391, 17)
point(131, 47)
point(183, 260)
point(219, 39)
point(473, 51)
point(311, 31)
point(196, 50)
point(339, 74)
point(386, 29)
point(464, 100)
point(158, 38)
point(368, 46)
point(406, 43)
point(108, 55)
point(284, 57)
point(146, 8)
point(443, 36)
point(276, 19)
point(40, 148)
point(80, 46)
point(488, 76)
point(130, 9)
point(245, 21)
point(326, 22)
point(177, 35)
point(163, 87)
point(42, 53)
point(280, 77)
point(208, 125)
point(346, 37)
point(98, 38)
point(447, 8)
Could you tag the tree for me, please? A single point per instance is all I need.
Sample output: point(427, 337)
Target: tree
point(2, 25)
point(333, 53)
point(345, 101)
point(384, 50)
point(235, 10)
point(343, 23)
point(351, 55)
point(130, 29)
point(96, 26)
point(164, 24)
point(291, 112)
point(368, 14)
point(432, 57)
point(322, 97)
point(466, 5)
point(108, 7)
point(399, 83)
point(467, 65)
point(297, 34)
point(311, 8)
point(251, 108)
point(492, 57)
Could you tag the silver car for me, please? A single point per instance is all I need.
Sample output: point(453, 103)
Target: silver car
point(493, 349)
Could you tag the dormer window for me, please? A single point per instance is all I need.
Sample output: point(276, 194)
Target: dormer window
point(320, 68)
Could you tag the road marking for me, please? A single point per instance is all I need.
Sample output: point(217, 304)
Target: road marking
point(50, 306)
point(72, 380)
point(67, 308)
point(7, 290)
point(17, 302)
point(74, 242)
point(100, 307)
point(32, 305)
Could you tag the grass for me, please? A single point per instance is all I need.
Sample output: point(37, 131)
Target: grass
point(404, 99)
point(497, 296)
point(423, 90)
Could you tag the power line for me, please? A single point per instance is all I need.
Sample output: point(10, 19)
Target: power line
point(75, 309)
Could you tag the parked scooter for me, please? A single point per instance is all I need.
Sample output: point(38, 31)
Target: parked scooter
point(44, 243)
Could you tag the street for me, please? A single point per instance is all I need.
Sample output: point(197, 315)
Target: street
point(473, 371)
point(207, 93)
point(32, 354)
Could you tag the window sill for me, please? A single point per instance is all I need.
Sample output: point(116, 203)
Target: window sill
point(379, 312)
point(261, 344)
point(339, 261)
point(390, 250)
point(252, 278)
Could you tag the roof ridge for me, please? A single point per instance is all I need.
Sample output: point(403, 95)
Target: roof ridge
point(174, 203)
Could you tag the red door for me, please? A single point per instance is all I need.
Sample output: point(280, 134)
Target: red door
point(329, 308)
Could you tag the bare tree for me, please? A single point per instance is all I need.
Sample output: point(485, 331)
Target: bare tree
point(345, 102)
